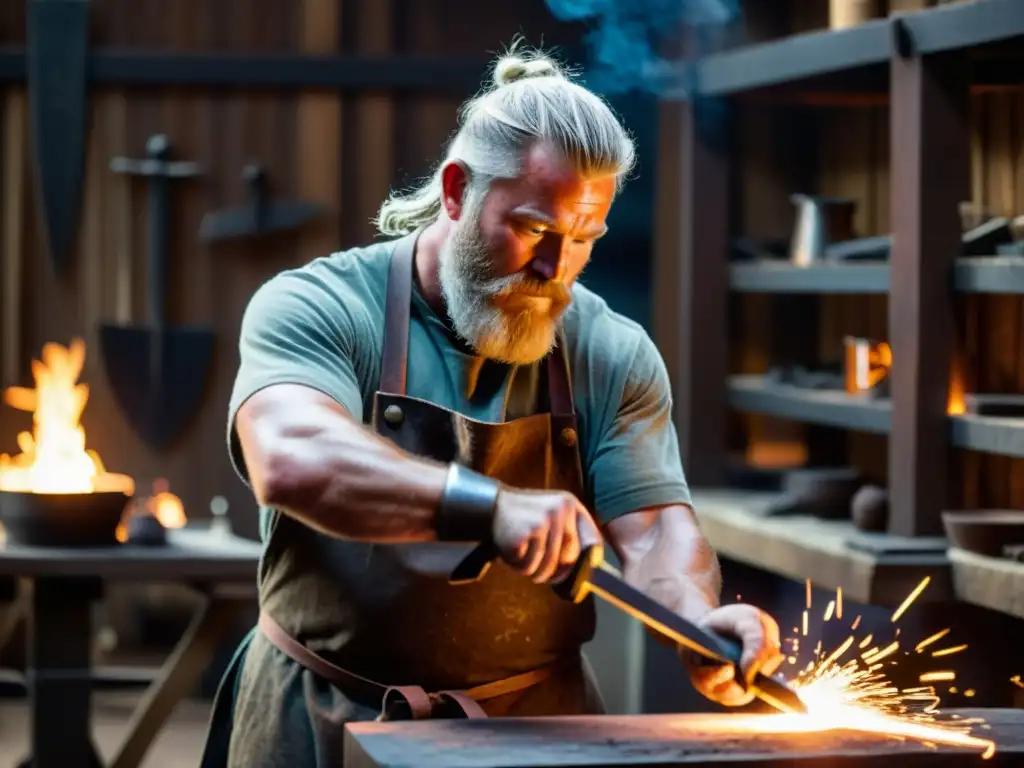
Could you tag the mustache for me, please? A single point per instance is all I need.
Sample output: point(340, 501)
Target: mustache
point(541, 289)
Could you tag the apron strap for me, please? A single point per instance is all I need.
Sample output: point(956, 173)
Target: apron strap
point(397, 305)
point(394, 699)
point(559, 381)
point(395, 353)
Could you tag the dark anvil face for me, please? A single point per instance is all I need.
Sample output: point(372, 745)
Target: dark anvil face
point(668, 741)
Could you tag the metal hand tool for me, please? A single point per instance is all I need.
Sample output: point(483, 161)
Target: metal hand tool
point(260, 216)
point(156, 371)
point(591, 575)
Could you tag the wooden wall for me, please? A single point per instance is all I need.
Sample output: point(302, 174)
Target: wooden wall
point(340, 150)
point(851, 158)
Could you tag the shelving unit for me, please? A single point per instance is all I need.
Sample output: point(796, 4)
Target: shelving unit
point(925, 64)
point(858, 58)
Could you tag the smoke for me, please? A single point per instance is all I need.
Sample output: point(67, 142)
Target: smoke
point(626, 37)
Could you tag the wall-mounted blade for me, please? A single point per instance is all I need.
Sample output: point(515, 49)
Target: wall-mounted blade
point(57, 51)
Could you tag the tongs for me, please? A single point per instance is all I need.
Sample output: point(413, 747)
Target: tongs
point(592, 575)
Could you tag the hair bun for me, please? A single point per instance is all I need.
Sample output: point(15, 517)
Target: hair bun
point(511, 68)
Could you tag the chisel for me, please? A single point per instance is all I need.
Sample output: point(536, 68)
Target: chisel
point(591, 575)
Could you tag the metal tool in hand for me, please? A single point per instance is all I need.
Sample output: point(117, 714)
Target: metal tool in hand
point(157, 373)
point(591, 575)
point(260, 215)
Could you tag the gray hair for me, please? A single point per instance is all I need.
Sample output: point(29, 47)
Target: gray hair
point(531, 98)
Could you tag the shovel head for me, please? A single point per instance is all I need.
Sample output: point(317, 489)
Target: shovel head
point(157, 376)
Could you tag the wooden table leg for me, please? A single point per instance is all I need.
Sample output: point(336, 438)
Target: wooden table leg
point(59, 685)
point(12, 630)
point(179, 675)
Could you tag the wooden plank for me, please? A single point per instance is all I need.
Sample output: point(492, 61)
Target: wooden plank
point(800, 547)
point(929, 120)
point(990, 582)
point(369, 122)
point(320, 134)
point(15, 152)
point(653, 740)
point(690, 277)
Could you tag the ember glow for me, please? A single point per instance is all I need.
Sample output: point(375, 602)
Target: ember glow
point(165, 506)
point(53, 456)
point(847, 689)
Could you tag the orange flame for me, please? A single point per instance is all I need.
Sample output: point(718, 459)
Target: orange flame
point(957, 403)
point(866, 366)
point(165, 506)
point(53, 456)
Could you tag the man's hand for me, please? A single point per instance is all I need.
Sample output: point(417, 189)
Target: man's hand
point(757, 632)
point(541, 533)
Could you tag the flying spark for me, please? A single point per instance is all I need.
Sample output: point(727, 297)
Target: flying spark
point(929, 640)
point(846, 688)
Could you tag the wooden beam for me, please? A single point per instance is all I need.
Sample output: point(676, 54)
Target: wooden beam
point(930, 177)
point(690, 277)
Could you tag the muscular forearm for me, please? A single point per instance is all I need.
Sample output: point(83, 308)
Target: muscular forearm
point(665, 555)
point(328, 471)
point(685, 579)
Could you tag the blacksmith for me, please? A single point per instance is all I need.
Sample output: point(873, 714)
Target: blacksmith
point(454, 383)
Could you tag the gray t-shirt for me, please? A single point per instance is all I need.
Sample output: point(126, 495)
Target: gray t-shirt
point(321, 326)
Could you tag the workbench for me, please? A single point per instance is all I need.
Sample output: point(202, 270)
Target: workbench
point(666, 741)
point(64, 583)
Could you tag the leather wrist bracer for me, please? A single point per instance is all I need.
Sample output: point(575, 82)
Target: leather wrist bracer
point(466, 511)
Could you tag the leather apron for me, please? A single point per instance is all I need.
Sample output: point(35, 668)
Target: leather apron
point(414, 645)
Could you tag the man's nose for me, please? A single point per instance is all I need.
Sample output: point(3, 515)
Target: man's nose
point(551, 259)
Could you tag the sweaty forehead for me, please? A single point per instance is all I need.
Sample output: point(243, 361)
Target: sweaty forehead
point(549, 179)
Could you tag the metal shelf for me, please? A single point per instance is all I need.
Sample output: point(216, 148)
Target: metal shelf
point(782, 277)
point(988, 434)
point(756, 394)
point(976, 274)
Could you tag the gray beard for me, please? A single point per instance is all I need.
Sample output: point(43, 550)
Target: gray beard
point(466, 275)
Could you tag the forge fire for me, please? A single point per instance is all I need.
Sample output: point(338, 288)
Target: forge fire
point(54, 457)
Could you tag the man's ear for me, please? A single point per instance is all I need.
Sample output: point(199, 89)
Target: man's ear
point(454, 181)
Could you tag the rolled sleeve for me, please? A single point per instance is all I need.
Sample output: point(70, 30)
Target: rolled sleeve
point(293, 332)
point(637, 464)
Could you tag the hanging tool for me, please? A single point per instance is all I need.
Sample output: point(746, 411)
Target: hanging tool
point(260, 215)
point(157, 373)
point(58, 46)
point(591, 575)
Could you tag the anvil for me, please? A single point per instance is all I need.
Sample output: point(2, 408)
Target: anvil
point(663, 741)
